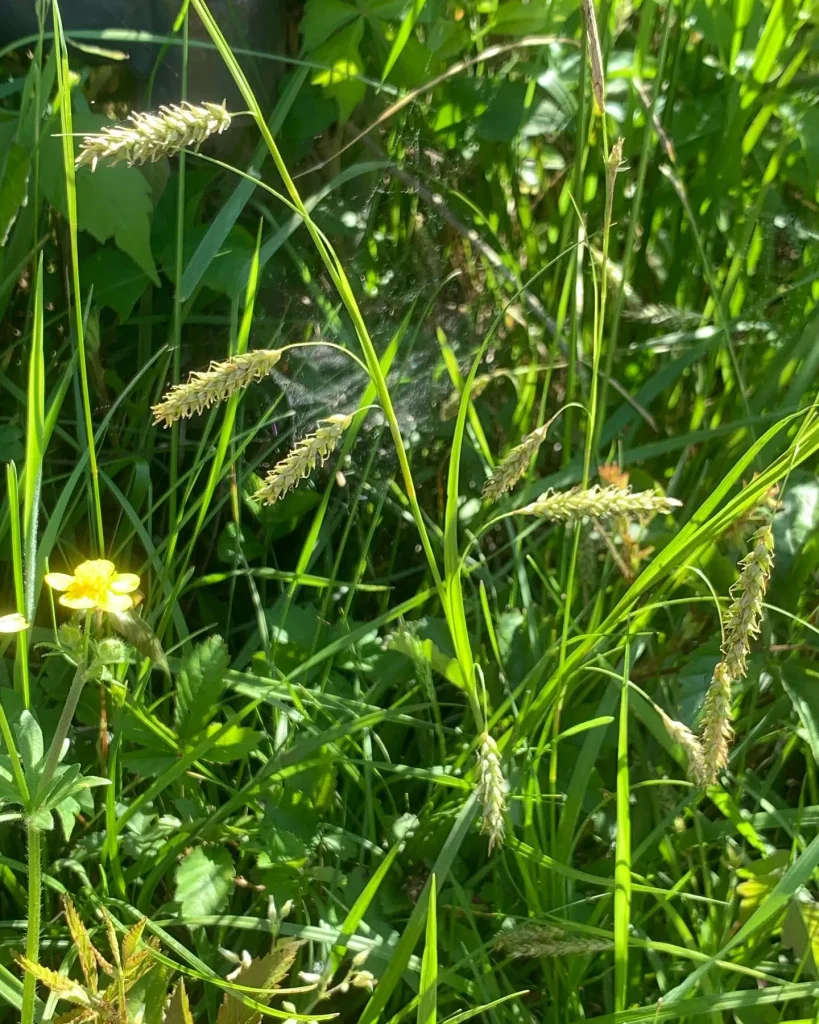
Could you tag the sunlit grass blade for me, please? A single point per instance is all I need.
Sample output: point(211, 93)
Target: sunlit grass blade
point(428, 1001)
point(66, 125)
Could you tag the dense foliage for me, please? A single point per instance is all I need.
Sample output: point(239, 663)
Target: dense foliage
point(410, 532)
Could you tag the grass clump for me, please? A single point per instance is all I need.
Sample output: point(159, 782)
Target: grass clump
point(302, 743)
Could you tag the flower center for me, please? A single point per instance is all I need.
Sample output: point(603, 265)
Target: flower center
point(94, 577)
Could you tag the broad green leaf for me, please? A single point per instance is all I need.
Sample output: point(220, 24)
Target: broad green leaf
point(519, 18)
point(233, 744)
point(30, 742)
point(112, 202)
point(14, 175)
point(117, 280)
point(344, 63)
point(199, 685)
point(321, 19)
point(204, 880)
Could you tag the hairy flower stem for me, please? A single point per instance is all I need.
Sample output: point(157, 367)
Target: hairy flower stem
point(35, 898)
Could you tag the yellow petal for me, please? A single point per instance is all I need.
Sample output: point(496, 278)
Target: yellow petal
point(13, 623)
point(97, 566)
point(58, 580)
point(124, 583)
point(111, 602)
point(67, 601)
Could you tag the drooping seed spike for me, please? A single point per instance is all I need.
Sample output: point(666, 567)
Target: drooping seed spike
point(491, 791)
point(147, 137)
point(599, 503)
point(507, 473)
point(313, 450)
point(216, 384)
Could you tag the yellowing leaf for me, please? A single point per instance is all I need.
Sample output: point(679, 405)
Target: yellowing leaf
point(263, 973)
point(179, 1011)
point(63, 987)
point(82, 943)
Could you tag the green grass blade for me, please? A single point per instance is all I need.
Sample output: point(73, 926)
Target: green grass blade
point(428, 1002)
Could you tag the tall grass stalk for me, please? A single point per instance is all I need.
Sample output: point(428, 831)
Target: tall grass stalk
point(450, 598)
point(66, 125)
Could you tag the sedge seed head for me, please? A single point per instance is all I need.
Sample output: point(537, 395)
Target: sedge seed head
point(531, 939)
point(741, 625)
point(147, 137)
point(508, 472)
point(216, 384)
point(599, 503)
point(491, 791)
point(313, 450)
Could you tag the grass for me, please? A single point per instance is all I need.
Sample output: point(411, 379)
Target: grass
point(294, 762)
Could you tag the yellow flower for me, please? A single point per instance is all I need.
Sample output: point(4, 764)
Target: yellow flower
point(13, 623)
point(95, 584)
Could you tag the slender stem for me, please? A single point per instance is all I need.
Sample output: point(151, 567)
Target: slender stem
point(66, 124)
point(63, 726)
point(67, 715)
point(342, 284)
point(35, 886)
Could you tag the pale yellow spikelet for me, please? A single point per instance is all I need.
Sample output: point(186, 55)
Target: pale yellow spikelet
point(717, 730)
point(533, 939)
point(741, 625)
point(216, 384)
point(490, 792)
point(680, 733)
point(149, 136)
point(507, 473)
point(743, 617)
point(599, 503)
point(302, 459)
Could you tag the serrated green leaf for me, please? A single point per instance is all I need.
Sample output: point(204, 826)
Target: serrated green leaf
point(62, 986)
point(263, 973)
point(130, 942)
point(204, 880)
point(179, 1011)
point(199, 686)
point(82, 943)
